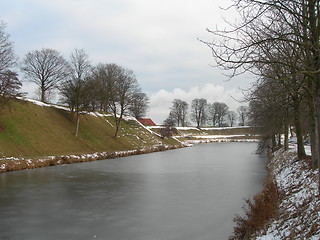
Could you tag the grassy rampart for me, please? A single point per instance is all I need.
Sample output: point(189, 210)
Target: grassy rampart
point(31, 131)
point(33, 135)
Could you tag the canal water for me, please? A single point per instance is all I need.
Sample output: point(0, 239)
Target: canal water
point(184, 194)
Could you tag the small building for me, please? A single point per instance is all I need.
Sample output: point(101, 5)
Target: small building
point(146, 122)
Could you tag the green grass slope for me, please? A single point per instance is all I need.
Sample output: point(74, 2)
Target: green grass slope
point(30, 130)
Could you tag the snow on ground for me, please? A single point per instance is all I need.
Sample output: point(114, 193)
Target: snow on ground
point(224, 128)
point(96, 114)
point(39, 103)
point(300, 208)
point(178, 128)
point(218, 140)
point(219, 136)
point(188, 128)
point(205, 128)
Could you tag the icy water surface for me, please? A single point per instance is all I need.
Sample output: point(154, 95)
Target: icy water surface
point(185, 194)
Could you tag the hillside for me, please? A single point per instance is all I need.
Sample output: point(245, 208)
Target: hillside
point(34, 134)
point(34, 131)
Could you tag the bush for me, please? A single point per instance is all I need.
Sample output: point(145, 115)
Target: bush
point(168, 131)
point(257, 212)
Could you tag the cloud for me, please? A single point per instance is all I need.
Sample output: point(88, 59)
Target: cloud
point(161, 101)
point(156, 39)
point(141, 34)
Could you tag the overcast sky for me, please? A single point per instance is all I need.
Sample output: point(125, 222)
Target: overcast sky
point(157, 39)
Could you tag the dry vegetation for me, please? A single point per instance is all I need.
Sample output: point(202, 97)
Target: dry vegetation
point(257, 212)
point(288, 207)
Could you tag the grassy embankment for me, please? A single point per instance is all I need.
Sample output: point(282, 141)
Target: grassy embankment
point(35, 132)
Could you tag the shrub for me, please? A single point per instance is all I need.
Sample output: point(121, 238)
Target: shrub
point(257, 212)
point(168, 131)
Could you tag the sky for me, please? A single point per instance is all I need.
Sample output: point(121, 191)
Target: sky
point(157, 39)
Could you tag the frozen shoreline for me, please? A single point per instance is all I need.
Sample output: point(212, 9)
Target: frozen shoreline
point(299, 216)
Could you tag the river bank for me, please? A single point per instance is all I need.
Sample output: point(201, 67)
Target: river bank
point(299, 209)
point(294, 204)
point(14, 164)
point(34, 134)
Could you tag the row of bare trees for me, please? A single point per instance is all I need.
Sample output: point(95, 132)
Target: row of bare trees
point(105, 87)
point(82, 87)
point(279, 41)
point(204, 113)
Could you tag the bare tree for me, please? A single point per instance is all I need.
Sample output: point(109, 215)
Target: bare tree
point(168, 128)
point(46, 68)
point(217, 113)
point(269, 109)
point(115, 89)
point(9, 87)
point(198, 111)
point(243, 115)
point(101, 78)
point(179, 112)
point(139, 104)
point(7, 56)
point(122, 86)
point(9, 81)
point(212, 115)
point(231, 118)
point(74, 88)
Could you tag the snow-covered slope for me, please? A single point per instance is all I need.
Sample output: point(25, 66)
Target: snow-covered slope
point(300, 208)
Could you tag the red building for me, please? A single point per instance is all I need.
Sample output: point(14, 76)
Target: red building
point(146, 122)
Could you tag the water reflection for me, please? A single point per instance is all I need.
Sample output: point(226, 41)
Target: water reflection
point(190, 193)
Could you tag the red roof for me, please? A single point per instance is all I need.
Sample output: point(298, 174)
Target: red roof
point(146, 122)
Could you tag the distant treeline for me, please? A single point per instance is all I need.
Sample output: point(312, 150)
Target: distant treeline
point(203, 114)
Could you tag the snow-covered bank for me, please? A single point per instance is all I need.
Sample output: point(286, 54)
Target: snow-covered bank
point(299, 216)
point(218, 140)
point(13, 164)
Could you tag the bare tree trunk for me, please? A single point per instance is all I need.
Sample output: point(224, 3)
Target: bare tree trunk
point(198, 122)
point(314, 29)
point(279, 140)
point(313, 136)
point(274, 143)
point(117, 128)
point(118, 122)
point(286, 132)
point(77, 125)
point(43, 96)
point(311, 97)
point(301, 150)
